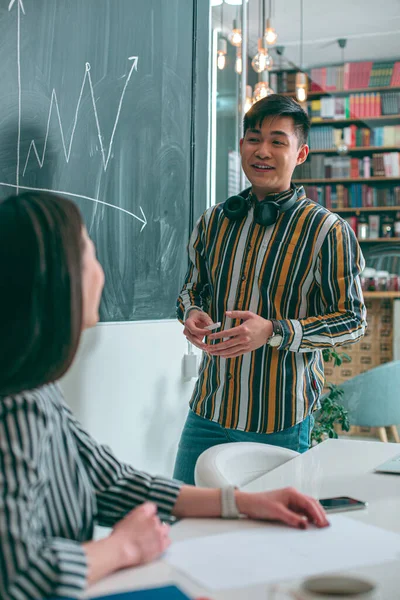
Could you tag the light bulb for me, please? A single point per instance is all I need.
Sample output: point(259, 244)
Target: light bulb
point(249, 98)
point(235, 36)
point(216, 2)
point(270, 34)
point(259, 63)
point(301, 86)
point(221, 61)
point(238, 64)
point(262, 60)
point(221, 53)
point(234, 2)
point(261, 90)
point(301, 94)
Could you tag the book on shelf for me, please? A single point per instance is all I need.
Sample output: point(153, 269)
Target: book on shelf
point(328, 137)
point(395, 82)
point(353, 222)
point(374, 223)
point(319, 166)
point(285, 82)
point(357, 195)
point(354, 106)
point(355, 75)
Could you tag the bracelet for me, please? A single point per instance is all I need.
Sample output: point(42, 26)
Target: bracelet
point(229, 509)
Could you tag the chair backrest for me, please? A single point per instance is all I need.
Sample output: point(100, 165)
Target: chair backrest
point(238, 463)
point(373, 398)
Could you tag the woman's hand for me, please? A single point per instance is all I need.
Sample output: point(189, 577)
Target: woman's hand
point(141, 535)
point(286, 505)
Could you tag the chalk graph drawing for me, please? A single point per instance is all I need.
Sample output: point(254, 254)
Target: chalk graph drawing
point(105, 155)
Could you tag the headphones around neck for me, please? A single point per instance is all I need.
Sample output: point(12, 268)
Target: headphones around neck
point(266, 212)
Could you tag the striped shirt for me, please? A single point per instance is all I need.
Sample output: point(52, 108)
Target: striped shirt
point(302, 271)
point(55, 483)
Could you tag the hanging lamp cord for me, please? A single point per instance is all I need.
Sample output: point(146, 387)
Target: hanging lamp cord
point(301, 35)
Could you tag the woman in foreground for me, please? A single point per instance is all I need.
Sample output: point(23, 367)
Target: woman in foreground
point(56, 482)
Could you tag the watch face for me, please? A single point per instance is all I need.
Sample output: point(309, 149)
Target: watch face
point(275, 340)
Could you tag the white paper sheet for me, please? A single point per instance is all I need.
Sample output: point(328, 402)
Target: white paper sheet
point(277, 553)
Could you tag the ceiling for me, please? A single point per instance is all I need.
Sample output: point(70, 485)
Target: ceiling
point(372, 29)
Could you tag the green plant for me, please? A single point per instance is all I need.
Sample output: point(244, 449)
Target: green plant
point(331, 413)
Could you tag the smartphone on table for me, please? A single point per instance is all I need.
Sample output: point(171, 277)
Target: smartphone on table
point(342, 503)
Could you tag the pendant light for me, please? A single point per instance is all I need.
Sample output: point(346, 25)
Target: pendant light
point(249, 98)
point(216, 2)
point(222, 48)
point(221, 53)
point(301, 77)
point(262, 89)
point(262, 60)
point(238, 62)
point(270, 34)
point(235, 36)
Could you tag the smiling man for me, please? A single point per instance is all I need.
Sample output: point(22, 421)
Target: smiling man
point(281, 274)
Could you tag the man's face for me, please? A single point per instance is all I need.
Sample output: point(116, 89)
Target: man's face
point(270, 154)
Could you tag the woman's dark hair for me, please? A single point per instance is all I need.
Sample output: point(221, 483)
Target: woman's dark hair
point(40, 289)
point(278, 106)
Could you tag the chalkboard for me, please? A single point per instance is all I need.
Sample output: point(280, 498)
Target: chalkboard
point(101, 101)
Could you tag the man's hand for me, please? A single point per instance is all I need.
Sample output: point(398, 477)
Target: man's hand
point(253, 333)
point(286, 505)
point(194, 328)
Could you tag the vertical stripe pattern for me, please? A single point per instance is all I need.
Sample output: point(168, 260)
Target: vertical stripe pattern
point(303, 271)
point(55, 483)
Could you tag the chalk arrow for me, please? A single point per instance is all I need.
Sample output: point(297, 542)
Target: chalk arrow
point(20, 5)
point(134, 58)
point(144, 217)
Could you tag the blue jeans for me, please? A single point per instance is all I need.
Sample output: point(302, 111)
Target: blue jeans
point(199, 434)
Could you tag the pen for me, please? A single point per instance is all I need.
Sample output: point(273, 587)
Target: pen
point(213, 326)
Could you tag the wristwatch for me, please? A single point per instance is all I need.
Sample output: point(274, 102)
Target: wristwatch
point(229, 510)
point(276, 338)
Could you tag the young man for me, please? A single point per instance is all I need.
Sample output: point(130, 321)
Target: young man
point(281, 274)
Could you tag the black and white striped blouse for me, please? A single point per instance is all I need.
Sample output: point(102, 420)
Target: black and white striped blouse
point(56, 482)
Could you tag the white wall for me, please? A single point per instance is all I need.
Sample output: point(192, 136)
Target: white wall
point(127, 389)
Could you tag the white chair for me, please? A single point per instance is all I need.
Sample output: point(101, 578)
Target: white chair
point(238, 463)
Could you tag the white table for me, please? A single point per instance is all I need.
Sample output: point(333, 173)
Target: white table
point(333, 468)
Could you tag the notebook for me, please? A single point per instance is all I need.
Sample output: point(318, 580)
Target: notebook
point(169, 592)
point(390, 466)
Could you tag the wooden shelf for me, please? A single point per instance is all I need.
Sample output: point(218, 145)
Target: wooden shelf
point(347, 180)
point(371, 295)
point(316, 94)
point(366, 209)
point(380, 240)
point(357, 149)
point(354, 120)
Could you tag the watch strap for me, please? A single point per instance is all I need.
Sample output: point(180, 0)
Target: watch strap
point(229, 510)
point(276, 327)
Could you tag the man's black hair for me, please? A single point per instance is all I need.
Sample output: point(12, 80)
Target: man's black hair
point(277, 105)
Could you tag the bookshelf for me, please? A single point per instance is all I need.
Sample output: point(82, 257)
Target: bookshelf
point(321, 93)
point(330, 180)
point(357, 149)
point(354, 163)
point(392, 240)
point(368, 209)
point(354, 160)
point(381, 295)
point(378, 118)
point(353, 169)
